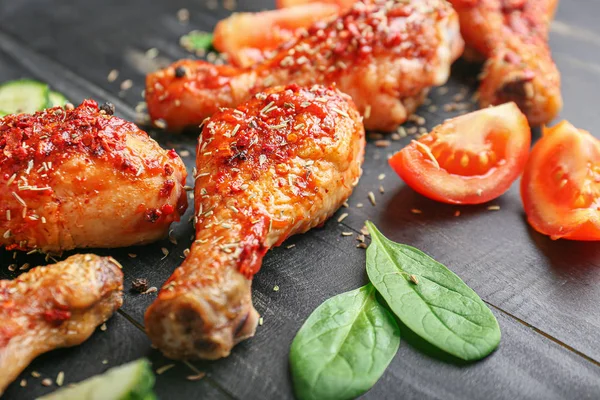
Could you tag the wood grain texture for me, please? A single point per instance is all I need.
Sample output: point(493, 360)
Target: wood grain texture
point(544, 293)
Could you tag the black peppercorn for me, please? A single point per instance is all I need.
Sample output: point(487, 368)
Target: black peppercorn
point(139, 285)
point(180, 72)
point(108, 108)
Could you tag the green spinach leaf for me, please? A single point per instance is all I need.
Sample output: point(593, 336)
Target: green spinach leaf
point(430, 299)
point(197, 41)
point(344, 347)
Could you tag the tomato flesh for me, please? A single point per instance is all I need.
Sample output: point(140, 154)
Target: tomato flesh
point(561, 184)
point(469, 159)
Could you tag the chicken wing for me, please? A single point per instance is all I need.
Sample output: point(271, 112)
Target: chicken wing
point(385, 54)
point(55, 306)
point(84, 178)
point(278, 165)
point(513, 36)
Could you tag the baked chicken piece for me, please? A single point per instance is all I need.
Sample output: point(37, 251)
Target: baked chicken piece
point(84, 178)
point(513, 36)
point(385, 54)
point(277, 165)
point(55, 306)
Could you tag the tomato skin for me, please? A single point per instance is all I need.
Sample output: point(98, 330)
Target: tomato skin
point(562, 164)
point(432, 179)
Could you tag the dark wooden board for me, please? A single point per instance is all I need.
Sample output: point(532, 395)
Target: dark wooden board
point(544, 293)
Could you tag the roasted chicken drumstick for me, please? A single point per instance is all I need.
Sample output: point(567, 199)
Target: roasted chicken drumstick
point(513, 36)
point(84, 178)
point(55, 306)
point(277, 165)
point(385, 54)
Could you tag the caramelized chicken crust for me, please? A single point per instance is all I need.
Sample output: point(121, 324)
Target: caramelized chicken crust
point(385, 54)
point(83, 178)
point(55, 306)
point(277, 165)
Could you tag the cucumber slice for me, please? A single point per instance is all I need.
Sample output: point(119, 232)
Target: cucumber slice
point(56, 99)
point(23, 96)
point(131, 381)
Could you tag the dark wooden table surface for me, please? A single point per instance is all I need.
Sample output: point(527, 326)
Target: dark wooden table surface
point(545, 294)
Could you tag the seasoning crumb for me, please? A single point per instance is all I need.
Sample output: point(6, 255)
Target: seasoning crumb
point(347, 233)
point(493, 208)
point(152, 53)
point(112, 75)
point(139, 285)
point(342, 217)
point(382, 143)
point(291, 246)
point(46, 382)
point(260, 321)
point(165, 251)
point(364, 231)
point(360, 238)
point(345, 204)
point(372, 199)
point(103, 327)
point(104, 362)
point(381, 189)
point(196, 377)
point(381, 177)
point(413, 279)
point(362, 245)
point(416, 211)
point(60, 378)
point(164, 369)
point(276, 288)
point(23, 383)
point(35, 374)
point(457, 213)
point(126, 84)
point(153, 289)
point(184, 153)
point(359, 205)
point(183, 15)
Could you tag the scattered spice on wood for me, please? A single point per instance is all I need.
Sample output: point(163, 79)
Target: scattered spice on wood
point(35, 374)
point(359, 205)
point(362, 245)
point(132, 255)
point(493, 208)
point(183, 15)
point(103, 327)
point(126, 84)
point(104, 362)
point(342, 217)
point(164, 369)
point(46, 382)
point(276, 288)
point(139, 285)
point(372, 199)
point(381, 177)
point(153, 289)
point(196, 377)
point(347, 233)
point(60, 378)
point(291, 246)
point(112, 75)
point(152, 53)
point(260, 321)
point(23, 382)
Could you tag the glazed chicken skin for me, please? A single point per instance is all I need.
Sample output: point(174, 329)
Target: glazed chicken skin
point(55, 306)
point(277, 165)
point(513, 36)
point(83, 178)
point(384, 54)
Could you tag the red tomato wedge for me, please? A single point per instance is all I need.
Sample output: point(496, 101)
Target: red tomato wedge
point(561, 184)
point(469, 159)
point(343, 4)
point(245, 37)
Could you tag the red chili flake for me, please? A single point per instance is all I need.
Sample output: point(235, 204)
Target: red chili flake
point(167, 209)
point(172, 154)
point(167, 188)
point(56, 316)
